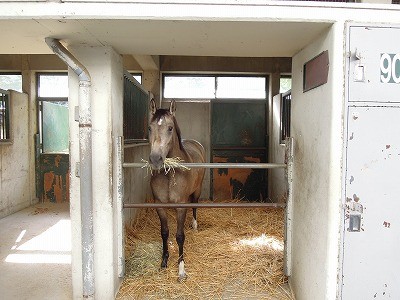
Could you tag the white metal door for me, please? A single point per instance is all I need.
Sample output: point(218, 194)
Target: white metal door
point(371, 242)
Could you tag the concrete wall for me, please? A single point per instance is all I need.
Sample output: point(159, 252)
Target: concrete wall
point(106, 98)
point(136, 180)
point(15, 165)
point(317, 131)
point(276, 177)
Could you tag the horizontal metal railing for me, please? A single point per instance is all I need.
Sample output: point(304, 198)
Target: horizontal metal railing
point(204, 205)
point(210, 204)
point(218, 165)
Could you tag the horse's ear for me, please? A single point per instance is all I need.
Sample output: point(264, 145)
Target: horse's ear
point(153, 106)
point(172, 107)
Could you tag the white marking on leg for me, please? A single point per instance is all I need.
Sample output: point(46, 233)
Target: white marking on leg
point(182, 273)
point(194, 224)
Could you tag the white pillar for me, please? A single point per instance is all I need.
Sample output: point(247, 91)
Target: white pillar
point(106, 71)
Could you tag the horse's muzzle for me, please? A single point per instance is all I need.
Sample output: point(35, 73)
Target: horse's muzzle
point(156, 161)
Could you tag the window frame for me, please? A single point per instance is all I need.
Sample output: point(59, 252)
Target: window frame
point(39, 103)
point(285, 116)
point(216, 76)
point(13, 73)
point(285, 76)
point(7, 115)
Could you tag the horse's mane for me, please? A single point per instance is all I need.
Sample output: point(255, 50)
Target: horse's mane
point(165, 112)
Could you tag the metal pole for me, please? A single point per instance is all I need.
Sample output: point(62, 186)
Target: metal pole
point(120, 202)
point(218, 165)
point(289, 208)
point(85, 171)
point(204, 205)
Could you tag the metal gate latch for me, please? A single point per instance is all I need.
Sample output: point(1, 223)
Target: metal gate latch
point(359, 68)
point(354, 223)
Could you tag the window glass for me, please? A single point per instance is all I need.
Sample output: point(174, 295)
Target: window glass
point(189, 87)
point(138, 77)
point(241, 87)
point(4, 116)
point(53, 85)
point(55, 127)
point(285, 84)
point(11, 82)
point(53, 112)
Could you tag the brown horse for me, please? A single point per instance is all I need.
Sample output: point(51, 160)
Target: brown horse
point(181, 186)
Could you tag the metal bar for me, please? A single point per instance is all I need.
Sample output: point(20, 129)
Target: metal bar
point(204, 205)
point(85, 155)
point(120, 201)
point(218, 165)
point(289, 208)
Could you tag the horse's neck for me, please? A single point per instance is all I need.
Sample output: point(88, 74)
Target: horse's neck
point(176, 151)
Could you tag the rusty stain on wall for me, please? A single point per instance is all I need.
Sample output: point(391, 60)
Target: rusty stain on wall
point(356, 198)
point(386, 224)
point(54, 169)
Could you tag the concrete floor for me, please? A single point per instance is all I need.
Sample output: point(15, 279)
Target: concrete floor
point(35, 253)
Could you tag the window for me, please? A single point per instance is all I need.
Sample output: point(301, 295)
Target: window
point(285, 84)
point(137, 76)
point(53, 112)
point(184, 87)
point(11, 81)
point(285, 116)
point(208, 87)
point(241, 87)
point(5, 134)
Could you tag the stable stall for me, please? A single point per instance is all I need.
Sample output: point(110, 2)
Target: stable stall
point(340, 190)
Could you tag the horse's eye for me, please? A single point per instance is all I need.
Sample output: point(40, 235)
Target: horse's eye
point(149, 128)
point(170, 128)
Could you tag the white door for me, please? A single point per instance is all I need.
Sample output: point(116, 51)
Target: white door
point(371, 244)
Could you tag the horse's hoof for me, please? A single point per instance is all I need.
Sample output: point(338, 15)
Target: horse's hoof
point(194, 225)
point(182, 274)
point(182, 278)
point(163, 266)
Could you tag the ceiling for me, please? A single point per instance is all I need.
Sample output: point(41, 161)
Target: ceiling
point(163, 37)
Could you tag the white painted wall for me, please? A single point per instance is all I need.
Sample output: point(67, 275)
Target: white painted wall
point(106, 98)
point(15, 165)
point(317, 130)
point(276, 177)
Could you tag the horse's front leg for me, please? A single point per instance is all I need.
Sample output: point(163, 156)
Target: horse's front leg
point(180, 239)
point(164, 234)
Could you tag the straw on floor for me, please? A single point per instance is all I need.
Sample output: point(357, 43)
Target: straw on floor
point(234, 254)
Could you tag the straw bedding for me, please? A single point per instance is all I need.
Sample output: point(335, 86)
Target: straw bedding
point(234, 254)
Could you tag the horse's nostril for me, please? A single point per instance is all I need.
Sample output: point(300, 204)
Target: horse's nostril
point(156, 160)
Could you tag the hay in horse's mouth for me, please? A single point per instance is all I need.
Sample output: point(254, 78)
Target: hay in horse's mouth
point(169, 165)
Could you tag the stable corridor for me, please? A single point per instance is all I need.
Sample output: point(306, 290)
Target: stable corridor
point(35, 253)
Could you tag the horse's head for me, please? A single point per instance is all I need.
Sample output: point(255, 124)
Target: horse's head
point(164, 133)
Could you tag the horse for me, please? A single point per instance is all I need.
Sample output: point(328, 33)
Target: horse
point(180, 186)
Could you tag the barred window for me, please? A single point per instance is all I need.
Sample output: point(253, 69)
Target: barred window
point(5, 133)
point(135, 110)
point(285, 116)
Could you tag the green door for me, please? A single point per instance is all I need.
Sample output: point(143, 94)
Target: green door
point(238, 135)
point(52, 142)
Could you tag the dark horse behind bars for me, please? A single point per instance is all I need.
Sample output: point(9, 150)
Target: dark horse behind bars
point(180, 186)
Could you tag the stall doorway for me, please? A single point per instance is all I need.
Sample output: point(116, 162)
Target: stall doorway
point(238, 136)
point(52, 142)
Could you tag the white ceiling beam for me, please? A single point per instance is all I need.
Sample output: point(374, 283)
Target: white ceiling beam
point(148, 62)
